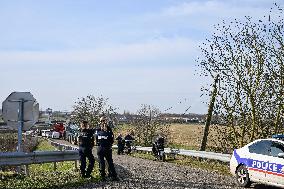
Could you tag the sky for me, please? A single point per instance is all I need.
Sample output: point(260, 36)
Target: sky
point(133, 52)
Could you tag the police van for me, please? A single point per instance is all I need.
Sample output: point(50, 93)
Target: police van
point(260, 161)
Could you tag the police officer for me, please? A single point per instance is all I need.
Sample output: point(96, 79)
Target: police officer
point(120, 144)
point(160, 141)
point(128, 143)
point(86, 144)
point(158, 144)
point(105, 138)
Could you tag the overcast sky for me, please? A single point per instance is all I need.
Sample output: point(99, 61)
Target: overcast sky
point(132, 51)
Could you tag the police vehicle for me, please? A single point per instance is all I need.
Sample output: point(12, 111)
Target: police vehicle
point(260, 161)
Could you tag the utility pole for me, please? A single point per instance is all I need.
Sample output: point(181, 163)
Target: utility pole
point(209, 114)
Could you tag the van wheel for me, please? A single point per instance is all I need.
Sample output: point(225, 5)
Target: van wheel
point(242, 176)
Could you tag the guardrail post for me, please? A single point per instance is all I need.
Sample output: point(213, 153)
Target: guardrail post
point(55, 166)
point(27, 172)
point(76, 165)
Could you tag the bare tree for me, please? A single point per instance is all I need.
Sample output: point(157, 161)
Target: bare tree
point(149, 124)
point(90, 108)
point(248, 57)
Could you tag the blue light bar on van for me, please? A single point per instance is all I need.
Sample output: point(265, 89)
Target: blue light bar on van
point(278, 136)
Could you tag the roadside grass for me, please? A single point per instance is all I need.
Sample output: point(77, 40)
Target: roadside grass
point(143, 155)
point(44, 146)
point(205, 164)
point(43, 176)
point(182, 146)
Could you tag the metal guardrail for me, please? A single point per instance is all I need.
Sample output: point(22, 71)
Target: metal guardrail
point(63, 146)
point(21, 158)
point(70, 153)
point(193, 153)
point(207, 155)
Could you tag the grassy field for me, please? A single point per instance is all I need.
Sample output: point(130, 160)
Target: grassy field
point(188, 136)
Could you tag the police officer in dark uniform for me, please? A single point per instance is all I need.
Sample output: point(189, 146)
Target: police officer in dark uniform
point(86, 144)
point(120, 144)
point(105, 139)
point(160, 141)
point(128, 143)
point(158, 144)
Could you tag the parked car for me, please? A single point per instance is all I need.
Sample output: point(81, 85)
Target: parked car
point(55, 134)
point(260, 161)
point(45, 133)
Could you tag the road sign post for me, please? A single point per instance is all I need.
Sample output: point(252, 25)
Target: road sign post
point(21, 112)
point(21, 124)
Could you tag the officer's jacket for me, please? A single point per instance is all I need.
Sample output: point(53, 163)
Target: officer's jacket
point(160, 142)
point(104, 138)
point(120, 140)
point(86, 138)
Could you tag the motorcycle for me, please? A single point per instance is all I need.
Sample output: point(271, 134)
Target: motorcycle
point(128, 146)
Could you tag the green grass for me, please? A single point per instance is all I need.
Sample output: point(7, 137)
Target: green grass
point(206, 164)
point(180, 146)
point(43, 176)
point(45, 146)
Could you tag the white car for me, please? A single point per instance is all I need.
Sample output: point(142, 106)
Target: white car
point(260, 161)
point(45, 133)
point(55, 134)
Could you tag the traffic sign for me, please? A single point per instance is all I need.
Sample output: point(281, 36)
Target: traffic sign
point(18, 103)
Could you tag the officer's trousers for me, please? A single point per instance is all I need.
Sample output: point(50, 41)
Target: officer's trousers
point(86, 153)
point(106, 153)
point(120, 148)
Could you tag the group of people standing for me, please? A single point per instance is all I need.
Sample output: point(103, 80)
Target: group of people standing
point(104, 139)
point(121, 142)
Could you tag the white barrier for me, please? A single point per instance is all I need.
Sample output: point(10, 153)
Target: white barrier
point(193, 153)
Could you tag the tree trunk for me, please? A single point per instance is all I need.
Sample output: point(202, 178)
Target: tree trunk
point(209, 115)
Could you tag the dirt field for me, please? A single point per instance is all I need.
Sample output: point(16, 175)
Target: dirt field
point(188, 136)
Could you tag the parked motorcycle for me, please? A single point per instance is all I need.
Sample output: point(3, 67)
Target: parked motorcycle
point(128, 146)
